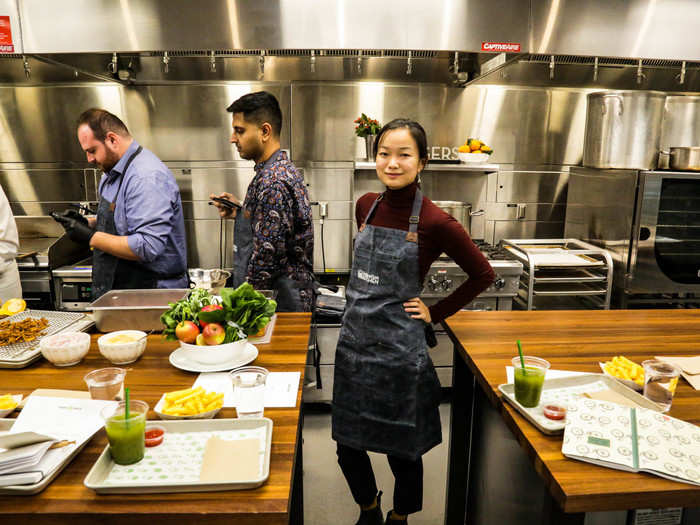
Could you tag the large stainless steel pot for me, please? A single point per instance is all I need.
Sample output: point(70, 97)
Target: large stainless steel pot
point(623, 129)
point(680, 159)
point(460, 211)
point(681, 122)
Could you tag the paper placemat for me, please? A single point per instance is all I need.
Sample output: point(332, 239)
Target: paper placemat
point(280, 388)
point(180, 458)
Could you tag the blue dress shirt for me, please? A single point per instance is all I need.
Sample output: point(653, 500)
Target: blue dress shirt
point(148, 212)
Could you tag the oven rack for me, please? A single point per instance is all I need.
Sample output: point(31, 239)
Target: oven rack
point(561, 273)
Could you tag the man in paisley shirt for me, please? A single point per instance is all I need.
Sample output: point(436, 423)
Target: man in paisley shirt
point(273, 234)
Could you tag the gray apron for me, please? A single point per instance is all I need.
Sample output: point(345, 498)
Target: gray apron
point(288, 298)
point(386, 392)
point(113, 273)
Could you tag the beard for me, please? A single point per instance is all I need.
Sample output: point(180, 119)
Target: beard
point(110, 161)
point(250, 153)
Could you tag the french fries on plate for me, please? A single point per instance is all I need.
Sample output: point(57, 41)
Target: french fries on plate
point(622, 368)
point(191, 402)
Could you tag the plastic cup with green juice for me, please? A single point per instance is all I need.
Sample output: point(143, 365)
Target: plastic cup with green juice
point(529, 380)
point(126, 431)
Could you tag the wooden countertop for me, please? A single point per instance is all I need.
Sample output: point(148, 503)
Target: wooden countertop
point(578, 340)
point(67, 500)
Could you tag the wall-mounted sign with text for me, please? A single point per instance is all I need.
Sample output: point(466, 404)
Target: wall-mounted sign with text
point(500, 47)
point(6, 45)
point(442, 153)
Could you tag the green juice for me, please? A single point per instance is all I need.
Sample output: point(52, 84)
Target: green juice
point(126, 441)
point(528, 385)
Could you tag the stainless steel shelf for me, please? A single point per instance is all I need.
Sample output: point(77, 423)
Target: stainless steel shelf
point(468, 168)
point(561, 272)
point(568, 275)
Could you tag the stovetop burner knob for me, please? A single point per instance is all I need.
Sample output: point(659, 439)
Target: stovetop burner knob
point(433, 283)
point(499, 283)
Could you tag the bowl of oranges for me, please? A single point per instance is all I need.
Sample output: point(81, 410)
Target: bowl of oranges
point(474, 151)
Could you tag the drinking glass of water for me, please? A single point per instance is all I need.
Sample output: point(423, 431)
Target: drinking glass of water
point(249, 390)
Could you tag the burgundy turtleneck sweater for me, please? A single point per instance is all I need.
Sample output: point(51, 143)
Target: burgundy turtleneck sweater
point(438, 232)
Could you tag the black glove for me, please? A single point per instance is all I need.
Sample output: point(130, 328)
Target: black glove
point(72, 214)
point(77, 229)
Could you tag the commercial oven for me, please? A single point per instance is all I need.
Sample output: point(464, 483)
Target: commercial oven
point(648, 220)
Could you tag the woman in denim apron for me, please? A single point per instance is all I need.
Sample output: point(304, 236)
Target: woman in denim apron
point(386, 392)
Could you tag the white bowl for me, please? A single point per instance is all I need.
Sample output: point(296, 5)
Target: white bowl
point(214, 354)
point(5, 411)
point(65, 348)
point(473, 158)
point(204, 415)
point(122, 353)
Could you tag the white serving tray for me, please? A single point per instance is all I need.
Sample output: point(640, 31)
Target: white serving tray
point(97, 477)
point(563, 391)
point(35, 488)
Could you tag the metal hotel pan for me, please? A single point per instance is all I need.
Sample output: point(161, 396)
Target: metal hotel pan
point(134, 309)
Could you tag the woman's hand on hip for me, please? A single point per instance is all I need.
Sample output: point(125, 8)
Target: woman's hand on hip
point(417, 309)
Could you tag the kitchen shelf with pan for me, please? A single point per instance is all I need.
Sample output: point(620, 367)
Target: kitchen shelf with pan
point(561, 273)
point(437, 166)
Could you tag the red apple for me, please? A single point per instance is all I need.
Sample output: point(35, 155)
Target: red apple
point(213, 334)
point(209, 308)
point(186, 331)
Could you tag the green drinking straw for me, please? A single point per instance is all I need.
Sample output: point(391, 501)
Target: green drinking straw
point(522, 361)
point(126, 408)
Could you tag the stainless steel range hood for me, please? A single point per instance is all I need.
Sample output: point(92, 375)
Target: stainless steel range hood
point(93, 26)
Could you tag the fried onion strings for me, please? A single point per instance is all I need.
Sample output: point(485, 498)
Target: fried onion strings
point(21, 331)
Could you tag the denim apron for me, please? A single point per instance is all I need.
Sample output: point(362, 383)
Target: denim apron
point(113, 273)
point(386, 392)
point(288, 298)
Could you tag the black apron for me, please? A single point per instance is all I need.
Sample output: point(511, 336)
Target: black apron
point(288, 298)
point(108, 271)
point(386, 393)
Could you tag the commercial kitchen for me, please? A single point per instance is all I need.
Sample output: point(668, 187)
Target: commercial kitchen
point(587, 211)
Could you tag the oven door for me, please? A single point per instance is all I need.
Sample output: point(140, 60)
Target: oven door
point(665, 244)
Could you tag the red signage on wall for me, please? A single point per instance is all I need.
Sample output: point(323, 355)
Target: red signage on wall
point(6, 45)
point(500, 47)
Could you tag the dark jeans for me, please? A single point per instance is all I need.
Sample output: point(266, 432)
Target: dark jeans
point(408, 475)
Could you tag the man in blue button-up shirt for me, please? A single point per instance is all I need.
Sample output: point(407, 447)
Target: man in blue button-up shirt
point(138, 235)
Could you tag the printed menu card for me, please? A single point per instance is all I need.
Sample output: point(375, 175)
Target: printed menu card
point(632, 439)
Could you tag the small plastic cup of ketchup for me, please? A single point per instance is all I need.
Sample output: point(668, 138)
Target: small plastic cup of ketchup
point(154, 435)
point(555, 412)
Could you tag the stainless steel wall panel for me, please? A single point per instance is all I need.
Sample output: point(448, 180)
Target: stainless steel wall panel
point(616, 28)
point(527, 230)
point(600, 210)
point(337, 244)
point(329, 184)
point(142, 25)
point(43, 185)
point(532, 186)
point(190, 122)
point(196, 184)
point(337, 210)
point(203, 241)
point(536, 126)
point(38, 123)
point(543, 211)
